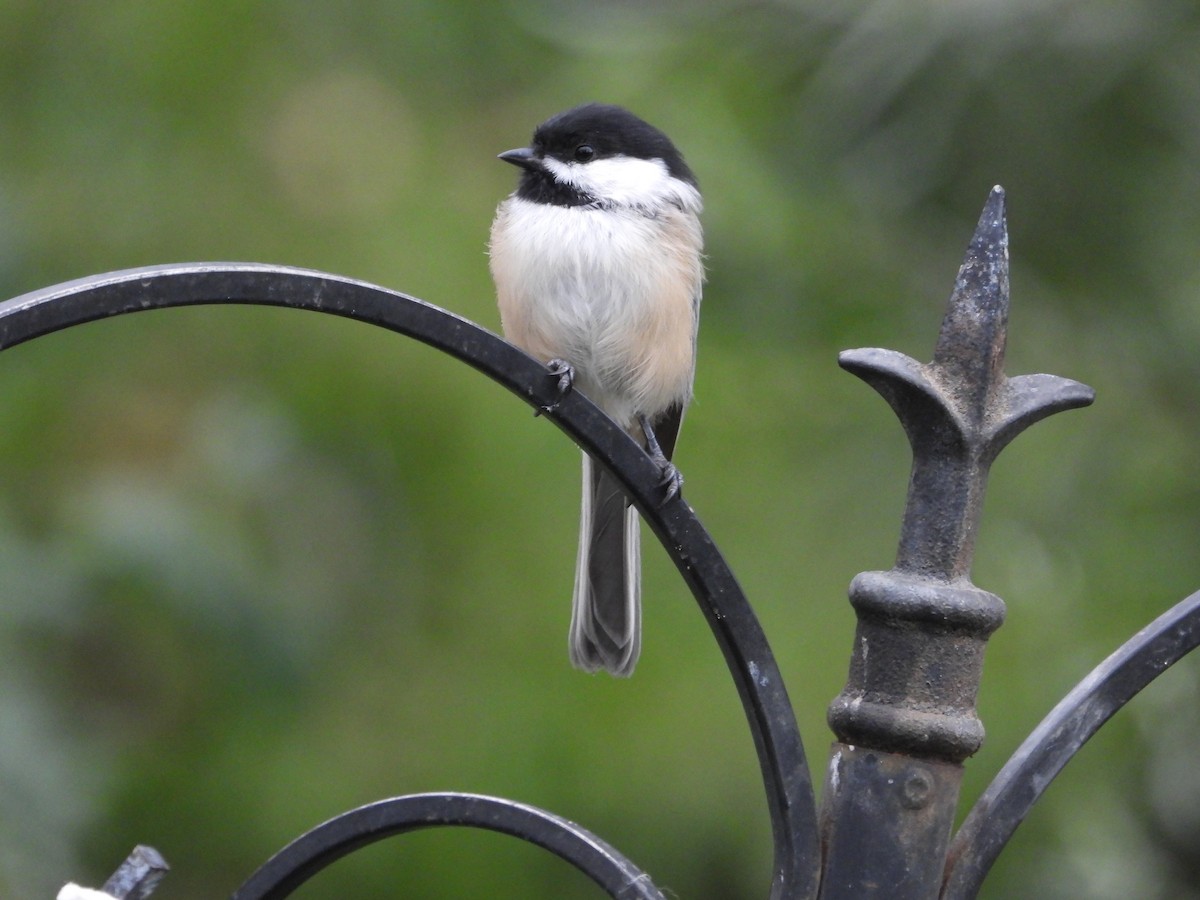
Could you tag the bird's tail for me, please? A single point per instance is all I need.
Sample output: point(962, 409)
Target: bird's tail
point(606, 611)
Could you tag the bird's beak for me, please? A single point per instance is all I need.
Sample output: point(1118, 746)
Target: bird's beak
point(524, 157)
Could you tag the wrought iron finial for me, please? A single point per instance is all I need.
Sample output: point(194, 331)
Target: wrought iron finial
point(923, 623)
point(906, 718)
point(959, 411)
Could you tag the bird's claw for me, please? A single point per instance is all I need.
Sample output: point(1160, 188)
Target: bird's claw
point(564, 374)
point(670, 478)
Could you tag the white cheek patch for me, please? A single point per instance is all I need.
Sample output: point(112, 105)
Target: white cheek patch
point(626, 181)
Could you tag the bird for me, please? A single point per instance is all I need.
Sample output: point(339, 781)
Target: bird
point(597, 259)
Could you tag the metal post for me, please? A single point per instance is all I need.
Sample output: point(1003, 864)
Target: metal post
point(138, 876)
point(906, 719)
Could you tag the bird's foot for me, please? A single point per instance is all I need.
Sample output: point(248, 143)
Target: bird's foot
point(563, 374)
point(671, 479)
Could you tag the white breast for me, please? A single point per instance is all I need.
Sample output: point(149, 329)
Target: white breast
point(613, 292)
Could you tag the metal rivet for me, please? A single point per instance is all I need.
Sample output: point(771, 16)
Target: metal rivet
point(917, 789)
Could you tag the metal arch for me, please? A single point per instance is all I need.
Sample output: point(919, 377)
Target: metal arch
point(311, 853)
point(1018, 786)
point(785, 772)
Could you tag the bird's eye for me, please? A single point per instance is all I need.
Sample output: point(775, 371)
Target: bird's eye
point(584, 152)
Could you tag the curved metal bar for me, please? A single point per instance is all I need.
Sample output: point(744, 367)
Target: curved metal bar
point(772, 722)
point(311, 853)
point(1025, 777)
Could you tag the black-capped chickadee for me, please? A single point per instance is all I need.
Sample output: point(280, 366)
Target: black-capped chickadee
point(597, 259)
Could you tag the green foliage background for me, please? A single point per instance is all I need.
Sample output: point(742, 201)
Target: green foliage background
point(262, 567)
